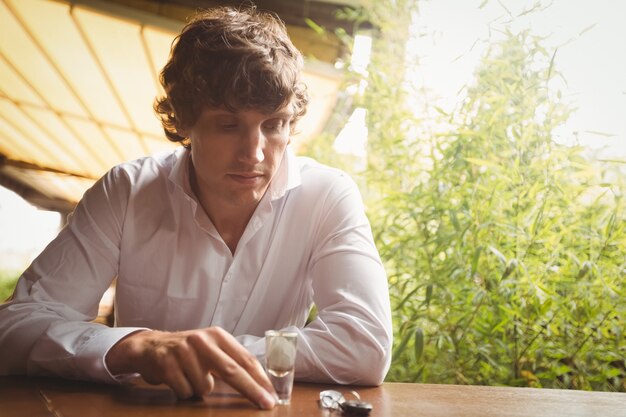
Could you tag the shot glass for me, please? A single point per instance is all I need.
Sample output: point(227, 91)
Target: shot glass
point(280, 359)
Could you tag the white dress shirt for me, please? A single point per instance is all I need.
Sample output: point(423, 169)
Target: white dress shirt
point(308, 241)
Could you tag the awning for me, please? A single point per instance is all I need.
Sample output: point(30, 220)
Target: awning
point(77, 84)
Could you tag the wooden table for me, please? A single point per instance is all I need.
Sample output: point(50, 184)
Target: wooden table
point(34, 397)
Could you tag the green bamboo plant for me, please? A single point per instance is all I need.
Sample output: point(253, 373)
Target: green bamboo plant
point(506, 252)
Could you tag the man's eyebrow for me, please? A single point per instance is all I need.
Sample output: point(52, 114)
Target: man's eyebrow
point(285, 114)
point(220, 111)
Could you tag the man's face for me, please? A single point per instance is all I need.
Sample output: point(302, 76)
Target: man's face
point(236, 154)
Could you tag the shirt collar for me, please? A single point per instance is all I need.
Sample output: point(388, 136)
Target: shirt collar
point(286, 178)
point(179, 174)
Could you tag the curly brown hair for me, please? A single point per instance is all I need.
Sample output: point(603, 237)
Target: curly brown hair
point(234, 59)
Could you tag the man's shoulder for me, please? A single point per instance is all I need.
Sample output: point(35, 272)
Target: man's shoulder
point(319, 178)
point(313, 171)
point(158, 165)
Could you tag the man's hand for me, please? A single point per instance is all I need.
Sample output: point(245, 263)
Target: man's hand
point(186, 362)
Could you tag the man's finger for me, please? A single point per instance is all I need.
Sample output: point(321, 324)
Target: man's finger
point(245, 359)
point(198, 376)
point(249, 363)
point(232, 372)
point(174, 377)
point(237, 377)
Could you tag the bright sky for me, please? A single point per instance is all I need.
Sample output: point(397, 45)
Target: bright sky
point(593, 64)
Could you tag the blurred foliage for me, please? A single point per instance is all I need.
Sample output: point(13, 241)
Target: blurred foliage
point(8, 279)
point(505, 251)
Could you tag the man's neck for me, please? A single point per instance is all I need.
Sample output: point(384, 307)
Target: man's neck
point(230, 221)
point(231, 226)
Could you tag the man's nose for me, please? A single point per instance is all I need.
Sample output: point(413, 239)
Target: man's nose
point(251, 146)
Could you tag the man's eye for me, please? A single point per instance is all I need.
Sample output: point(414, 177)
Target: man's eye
point(228, 126)
point(277, 124)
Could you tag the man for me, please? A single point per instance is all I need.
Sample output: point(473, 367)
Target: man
point(226, 237)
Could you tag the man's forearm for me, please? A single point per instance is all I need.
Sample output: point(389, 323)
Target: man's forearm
point(36, 340)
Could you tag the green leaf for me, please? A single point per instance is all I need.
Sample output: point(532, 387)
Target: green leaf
point(402, 345)
point(441, 111)
point(551, 64)
point(598, 133)
point(429, 294)
point(587, 29)
point(498, 254)
point(475, 259)
point(316, 28)
point(482, 162)
point(419, 344)
point(509, 268)
point(454, 219)
point(408, 296)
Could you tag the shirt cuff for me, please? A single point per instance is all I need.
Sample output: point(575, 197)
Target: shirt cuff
point(95, 350)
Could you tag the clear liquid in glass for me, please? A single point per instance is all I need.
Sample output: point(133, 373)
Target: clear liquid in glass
point(280, 360)
point(282, 380)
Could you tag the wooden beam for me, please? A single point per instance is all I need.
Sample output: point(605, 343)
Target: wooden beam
point(35, 197)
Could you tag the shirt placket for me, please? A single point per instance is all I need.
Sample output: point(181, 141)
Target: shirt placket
point(236, 285)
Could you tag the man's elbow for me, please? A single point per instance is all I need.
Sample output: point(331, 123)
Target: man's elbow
point(369, 367)
point(383, 362)
point(373, 372)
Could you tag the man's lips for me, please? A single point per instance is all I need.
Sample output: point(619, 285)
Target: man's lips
point(246, 177)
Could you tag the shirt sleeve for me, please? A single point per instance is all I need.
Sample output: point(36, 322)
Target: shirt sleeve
point(349, 342)
point(45, 328)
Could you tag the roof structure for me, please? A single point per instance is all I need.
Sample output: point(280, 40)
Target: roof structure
point(78, 80)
